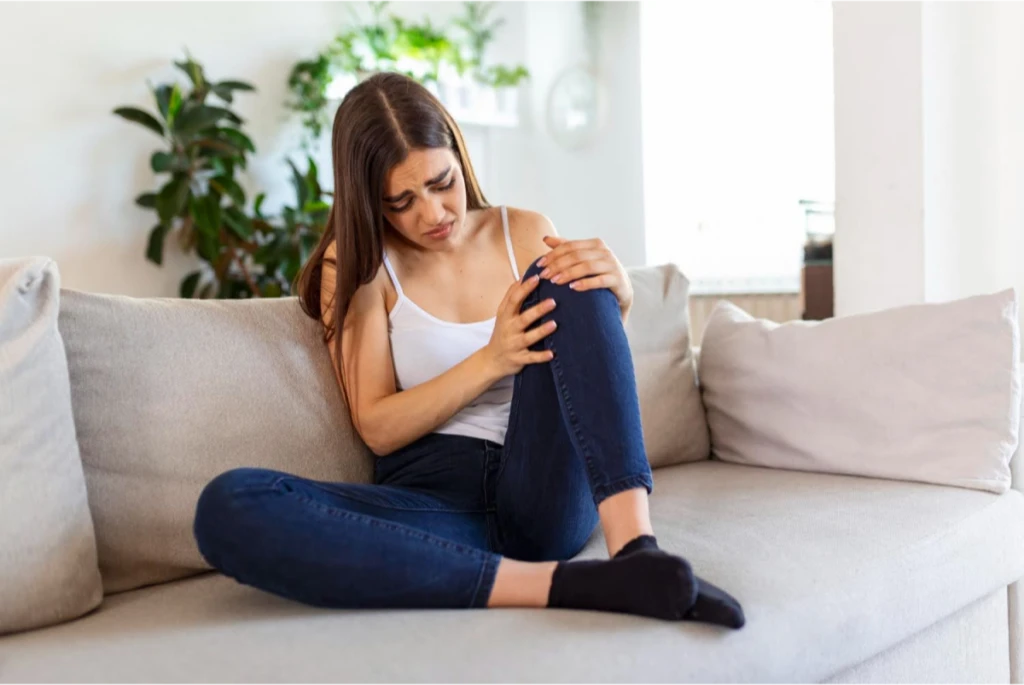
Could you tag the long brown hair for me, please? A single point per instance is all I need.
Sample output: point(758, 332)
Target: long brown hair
point(378, 123)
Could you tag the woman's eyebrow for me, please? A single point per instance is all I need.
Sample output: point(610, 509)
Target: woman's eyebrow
point(401, 196)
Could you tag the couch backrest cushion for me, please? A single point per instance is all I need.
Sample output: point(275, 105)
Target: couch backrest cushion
point(926, 392)
point(658, 328)
point(169, 393)
point(48, 568)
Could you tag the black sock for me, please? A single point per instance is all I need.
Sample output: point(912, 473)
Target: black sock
point(657, 585)
point(713, 604)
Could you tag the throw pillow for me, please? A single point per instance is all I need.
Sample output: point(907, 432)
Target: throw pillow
point(928, 392)
point(47, 547)
point(169, 393)
point(658, 328)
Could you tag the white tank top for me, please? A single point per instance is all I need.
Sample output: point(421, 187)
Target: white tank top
point(424, 346)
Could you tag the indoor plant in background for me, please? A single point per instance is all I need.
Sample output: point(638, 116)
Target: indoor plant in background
point(243, 254)
point(448, 59)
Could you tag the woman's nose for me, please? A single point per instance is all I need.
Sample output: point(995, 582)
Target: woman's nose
point(433, 212)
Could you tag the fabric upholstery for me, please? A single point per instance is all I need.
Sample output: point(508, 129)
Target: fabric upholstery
point(830, 570)
point(169, 393)
point(658, 329)
point(48, 568)
point(927, 393)
point(968, 646)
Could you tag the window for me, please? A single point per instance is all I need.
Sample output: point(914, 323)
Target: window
point(738, 138)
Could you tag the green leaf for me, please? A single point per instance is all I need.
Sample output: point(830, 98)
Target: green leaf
point(236, 138)
point(238, 223)
point(226, 185)
point(164, 161)
point(170, 201)
point(271, 289)
point(155, 246)
point(235, 85)
point(162, 94)
point(312, 180)
point(314, 207)
point(194, 118)
point(301, 191)
point(207, 247)
point(188, 285)
point(194, 71)
point(258, 204)
point(147, 200)
point(206, 212)
point(217, 145)
point(227, 114)
point(142, 118)
point(174, 106)
point(223, 94)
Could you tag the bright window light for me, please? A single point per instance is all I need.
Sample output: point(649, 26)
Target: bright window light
point(738, 136)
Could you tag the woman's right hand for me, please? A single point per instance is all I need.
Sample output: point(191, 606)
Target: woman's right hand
point(509, 348)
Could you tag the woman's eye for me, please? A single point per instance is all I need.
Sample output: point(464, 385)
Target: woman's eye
point(399, 210)
point(449, 186)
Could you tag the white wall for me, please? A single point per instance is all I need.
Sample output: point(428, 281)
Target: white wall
point(879, 242)
point(71, 168)
point(930, 153)
point(598, 190)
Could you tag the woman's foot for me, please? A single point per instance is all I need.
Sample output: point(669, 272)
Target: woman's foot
point(713, 605)
point(645, 583)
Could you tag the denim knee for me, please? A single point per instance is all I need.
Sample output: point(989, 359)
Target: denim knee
point(564, 295)
point(220, 502)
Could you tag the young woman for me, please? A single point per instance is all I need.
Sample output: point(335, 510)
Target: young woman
point(484, 361)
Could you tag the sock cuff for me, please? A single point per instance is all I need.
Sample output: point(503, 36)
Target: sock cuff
point(639, 542)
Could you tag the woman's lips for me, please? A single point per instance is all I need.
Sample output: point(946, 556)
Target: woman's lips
point(441, 231)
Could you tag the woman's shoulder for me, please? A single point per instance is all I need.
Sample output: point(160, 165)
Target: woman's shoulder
point(527, 222)
point(527, 229)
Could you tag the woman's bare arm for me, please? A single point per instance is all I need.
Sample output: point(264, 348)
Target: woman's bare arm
point(385, 418)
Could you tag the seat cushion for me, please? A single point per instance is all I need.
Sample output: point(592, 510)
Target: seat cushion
point(830, 570)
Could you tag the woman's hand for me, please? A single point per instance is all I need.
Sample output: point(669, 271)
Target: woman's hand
point(508, 350)
point(585, 265)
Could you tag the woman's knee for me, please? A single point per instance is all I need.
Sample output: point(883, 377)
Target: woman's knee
point(566, 296)
point(225, 497)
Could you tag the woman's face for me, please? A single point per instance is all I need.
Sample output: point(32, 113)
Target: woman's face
point(425, 197)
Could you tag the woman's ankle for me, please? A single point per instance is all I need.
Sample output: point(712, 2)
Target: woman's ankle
point(521, 584)
point(625, 516)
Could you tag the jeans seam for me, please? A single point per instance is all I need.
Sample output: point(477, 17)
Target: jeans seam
point(488, 572)
point(571, 419)
point(361, 500)
point(395, 527)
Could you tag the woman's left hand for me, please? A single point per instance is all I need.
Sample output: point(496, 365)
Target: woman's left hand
point(586, 265)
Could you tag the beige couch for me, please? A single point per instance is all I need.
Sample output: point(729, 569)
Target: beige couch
point(842, 578)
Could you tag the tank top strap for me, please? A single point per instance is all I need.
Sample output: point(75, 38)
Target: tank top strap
point(508, 241)
point(391, 272)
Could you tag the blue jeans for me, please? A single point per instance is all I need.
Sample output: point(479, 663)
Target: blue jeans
point(443, 510)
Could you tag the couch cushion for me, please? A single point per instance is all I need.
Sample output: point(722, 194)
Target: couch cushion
point(658, 328)
point(830, 571)
point(169, 393)
point(925, 392)
point(48, 570)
